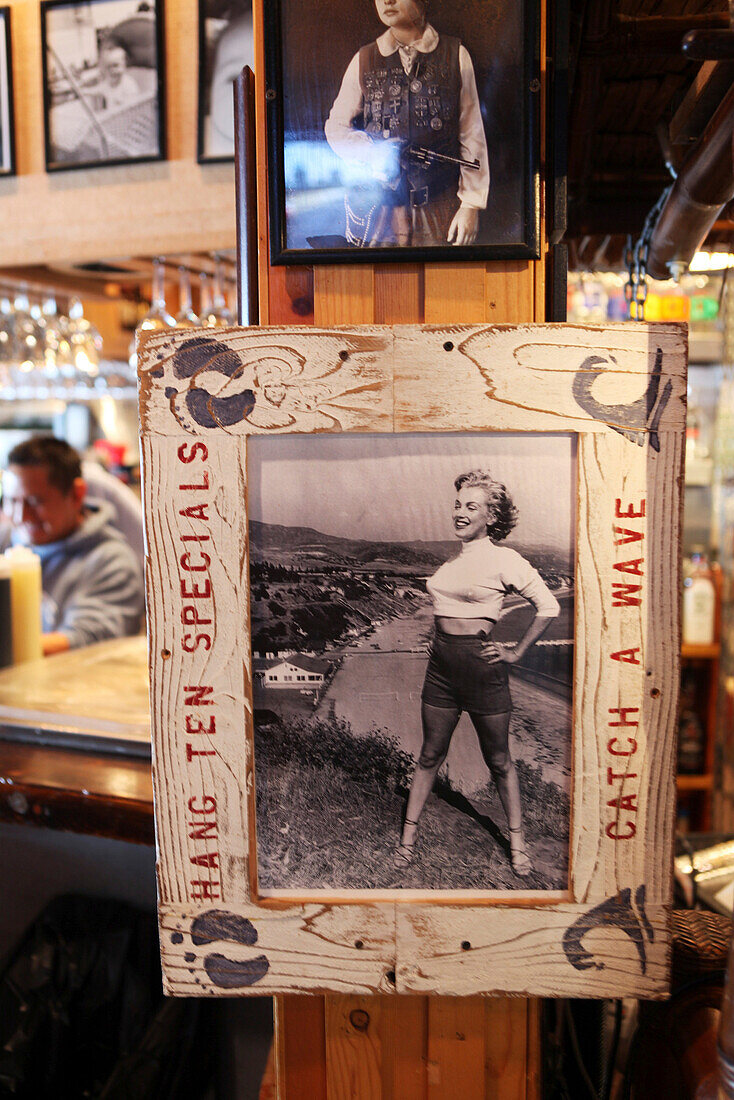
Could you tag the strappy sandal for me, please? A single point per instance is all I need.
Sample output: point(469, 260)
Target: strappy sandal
point(404, 852)
point(522, 865)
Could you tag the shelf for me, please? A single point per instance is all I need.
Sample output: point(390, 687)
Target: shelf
point(694, 782)
point(701, 652)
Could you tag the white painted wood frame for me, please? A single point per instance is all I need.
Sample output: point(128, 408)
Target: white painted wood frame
point(622, 389)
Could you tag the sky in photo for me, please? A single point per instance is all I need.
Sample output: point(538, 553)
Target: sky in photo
point(400, 487)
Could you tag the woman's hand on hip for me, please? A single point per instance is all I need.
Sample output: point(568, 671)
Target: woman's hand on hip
point(495, 652)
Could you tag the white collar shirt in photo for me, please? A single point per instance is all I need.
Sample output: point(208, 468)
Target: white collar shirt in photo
point(356, 147)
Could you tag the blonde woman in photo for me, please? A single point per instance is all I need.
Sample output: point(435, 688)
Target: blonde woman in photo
point(467, 670)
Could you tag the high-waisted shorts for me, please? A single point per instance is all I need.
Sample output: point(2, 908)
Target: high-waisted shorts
point(459, 676)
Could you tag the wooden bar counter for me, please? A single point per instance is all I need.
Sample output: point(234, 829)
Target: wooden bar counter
point(75, 742)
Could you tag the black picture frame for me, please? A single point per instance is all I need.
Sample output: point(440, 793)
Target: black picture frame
point(82, 128)
point(226, 45)
point(7, 109)
point(302, 78)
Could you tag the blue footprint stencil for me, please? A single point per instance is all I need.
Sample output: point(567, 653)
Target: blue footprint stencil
point(218, 926)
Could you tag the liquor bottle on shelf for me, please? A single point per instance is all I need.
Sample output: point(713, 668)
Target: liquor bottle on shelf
point(699, 602)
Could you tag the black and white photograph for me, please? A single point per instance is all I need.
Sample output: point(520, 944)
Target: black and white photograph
point(412, 636)
point(103, 82)
point(7, 137)
point(401, 125)
point(226, 45)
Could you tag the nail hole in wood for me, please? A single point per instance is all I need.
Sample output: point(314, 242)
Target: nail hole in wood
point(165, 654)
point(390, 975)
point(448, 346)
point(343, 355)
point(358, 944)
point(465, 945)
point(655, 693)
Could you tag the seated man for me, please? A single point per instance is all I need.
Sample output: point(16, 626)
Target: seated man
point(92, 582)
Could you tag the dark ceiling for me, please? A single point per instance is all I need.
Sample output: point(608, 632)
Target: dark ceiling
point(628, 76)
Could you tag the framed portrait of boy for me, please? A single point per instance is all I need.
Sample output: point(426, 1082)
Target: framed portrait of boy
point(7, 134)
point(103, 82)
point(413, 600)
point(402, 128)
point(225, 46)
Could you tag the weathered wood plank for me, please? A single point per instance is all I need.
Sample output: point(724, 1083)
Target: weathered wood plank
point(568, 949)
point(627, 666)
point(252, 949)
point(540, 378)
point(199, 665)
point(266, 380)
point(446, 378)
point(456, 1049)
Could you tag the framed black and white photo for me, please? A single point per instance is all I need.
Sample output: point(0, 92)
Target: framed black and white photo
point(103, 82)
point(225, 47)
point(341, 621)
point(400, 130)
point(7, 134)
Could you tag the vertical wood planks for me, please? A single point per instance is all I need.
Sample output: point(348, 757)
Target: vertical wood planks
point(456, 1048)
point(354, 1062)
point(507, 1040)
point(509, 293)
point(399, 294)
point(344, 295)
point(300, 1039)
point(405, 1035)
point(454, 293)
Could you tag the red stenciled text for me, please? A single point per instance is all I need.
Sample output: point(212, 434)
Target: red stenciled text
point(203, 822)
point(194, 560)
point(622, 743)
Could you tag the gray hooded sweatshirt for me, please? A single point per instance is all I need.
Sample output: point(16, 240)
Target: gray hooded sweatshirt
point(92, 582)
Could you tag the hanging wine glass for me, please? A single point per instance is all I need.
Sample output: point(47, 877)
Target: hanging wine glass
point(86, 344)
point(7, 340)
point(157, 318)
point(56, 346)
point(28, 346)
point(186, 317)
point(207, 315)
point(220, 309)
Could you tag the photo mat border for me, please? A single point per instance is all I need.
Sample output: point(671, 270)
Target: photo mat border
point(621, 389)
point(526, 249)
point(53, 166)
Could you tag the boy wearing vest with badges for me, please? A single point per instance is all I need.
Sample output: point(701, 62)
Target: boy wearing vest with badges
point(408, 110)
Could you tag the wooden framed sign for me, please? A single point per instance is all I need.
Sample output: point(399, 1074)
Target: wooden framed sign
point(413, 625)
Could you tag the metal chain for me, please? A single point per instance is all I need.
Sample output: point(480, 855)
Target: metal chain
point(635, 290)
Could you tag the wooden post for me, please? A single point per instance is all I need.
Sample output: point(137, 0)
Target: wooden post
point(410, 1048)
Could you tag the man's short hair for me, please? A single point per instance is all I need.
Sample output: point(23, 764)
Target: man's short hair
point(62, 463)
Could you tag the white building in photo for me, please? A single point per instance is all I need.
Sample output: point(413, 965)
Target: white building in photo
point(296, 671)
